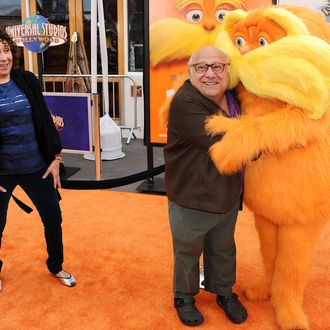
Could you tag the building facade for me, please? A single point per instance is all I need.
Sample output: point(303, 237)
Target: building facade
point(124, 43)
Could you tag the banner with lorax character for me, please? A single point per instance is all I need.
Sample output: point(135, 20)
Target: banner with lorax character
point(174, 30)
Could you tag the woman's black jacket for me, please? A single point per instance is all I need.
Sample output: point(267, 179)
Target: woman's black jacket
point(46, 134)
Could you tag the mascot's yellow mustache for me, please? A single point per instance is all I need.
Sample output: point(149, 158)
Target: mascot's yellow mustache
point(295, 70)
point(174, 40)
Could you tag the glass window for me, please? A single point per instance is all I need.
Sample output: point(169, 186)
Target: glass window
point(87, 29)
point(10, 11)
point(110, 18)
point(10, 14)
point(135, 35)
point(55, 58)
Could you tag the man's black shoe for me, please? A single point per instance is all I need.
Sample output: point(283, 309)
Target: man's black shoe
point(188, 312)
point(233, 308)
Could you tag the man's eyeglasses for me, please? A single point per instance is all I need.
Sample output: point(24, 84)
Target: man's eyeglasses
point(203, 67)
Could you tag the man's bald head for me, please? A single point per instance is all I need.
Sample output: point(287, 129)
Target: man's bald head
point(209, 51)
point(209, 73)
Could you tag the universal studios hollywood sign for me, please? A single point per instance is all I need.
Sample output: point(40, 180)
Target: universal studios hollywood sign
point(37, 34)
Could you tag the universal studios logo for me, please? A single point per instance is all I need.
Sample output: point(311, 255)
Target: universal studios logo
point(37, 34)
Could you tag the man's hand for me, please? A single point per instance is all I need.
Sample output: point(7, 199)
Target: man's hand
point(2, 189)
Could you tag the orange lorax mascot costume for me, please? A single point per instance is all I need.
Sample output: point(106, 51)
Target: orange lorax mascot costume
point(284, 89)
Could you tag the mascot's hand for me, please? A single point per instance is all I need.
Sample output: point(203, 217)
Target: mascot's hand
point(218, 124)
point(237, 147)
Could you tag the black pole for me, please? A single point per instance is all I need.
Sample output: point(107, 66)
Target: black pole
point(40, 70)
point(150, 161)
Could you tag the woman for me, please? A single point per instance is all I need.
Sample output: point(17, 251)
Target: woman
point(30, 154)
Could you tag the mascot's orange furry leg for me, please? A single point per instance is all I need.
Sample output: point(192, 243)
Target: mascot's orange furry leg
point(259, 289)
point(294, 247)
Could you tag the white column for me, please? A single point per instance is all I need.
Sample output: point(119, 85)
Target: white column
point(30, 59)
point(104, 57)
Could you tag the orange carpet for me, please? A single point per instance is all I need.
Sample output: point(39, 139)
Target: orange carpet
point(118, 245)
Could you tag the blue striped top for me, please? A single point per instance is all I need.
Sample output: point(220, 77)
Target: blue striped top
point(19, 152)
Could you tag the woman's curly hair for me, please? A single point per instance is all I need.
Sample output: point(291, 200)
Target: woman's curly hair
point(6, 38)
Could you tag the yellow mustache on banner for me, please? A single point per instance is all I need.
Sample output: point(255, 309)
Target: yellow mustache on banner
point(185, 38)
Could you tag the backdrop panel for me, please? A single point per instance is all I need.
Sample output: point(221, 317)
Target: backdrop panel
point(173, 31)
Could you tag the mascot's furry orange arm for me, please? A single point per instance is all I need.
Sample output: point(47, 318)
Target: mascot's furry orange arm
point(279, 79)
point(284, 129)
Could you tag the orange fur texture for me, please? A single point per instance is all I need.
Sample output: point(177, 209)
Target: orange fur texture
point(288, 187)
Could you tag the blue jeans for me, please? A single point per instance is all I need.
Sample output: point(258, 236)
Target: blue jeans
point(44, 197)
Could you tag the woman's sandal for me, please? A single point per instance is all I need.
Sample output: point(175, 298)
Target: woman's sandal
point(66, 280)
point(188, 312)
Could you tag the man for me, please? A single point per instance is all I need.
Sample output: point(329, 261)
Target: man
point(203, 204)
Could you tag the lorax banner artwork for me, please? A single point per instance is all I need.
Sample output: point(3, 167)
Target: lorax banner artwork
point(174, 30)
